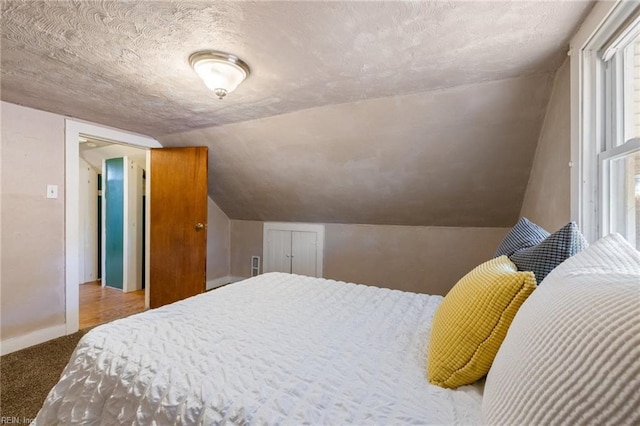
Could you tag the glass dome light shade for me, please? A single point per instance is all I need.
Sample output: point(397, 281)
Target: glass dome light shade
point(221, 72)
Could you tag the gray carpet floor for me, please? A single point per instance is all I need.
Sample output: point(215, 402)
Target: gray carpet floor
point(27, 376)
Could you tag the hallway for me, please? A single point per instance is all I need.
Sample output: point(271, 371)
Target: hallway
point(103, 304)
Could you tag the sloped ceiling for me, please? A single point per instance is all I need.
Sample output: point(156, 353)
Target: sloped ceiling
point(367, 112)
point(455, 157)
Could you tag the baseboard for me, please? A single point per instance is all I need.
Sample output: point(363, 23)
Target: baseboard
point(30, 339)
point(219, 282)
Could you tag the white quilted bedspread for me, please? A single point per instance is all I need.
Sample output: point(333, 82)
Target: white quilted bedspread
point(275, 349)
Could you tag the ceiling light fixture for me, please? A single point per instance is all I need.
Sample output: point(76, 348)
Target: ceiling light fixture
point(221, 72)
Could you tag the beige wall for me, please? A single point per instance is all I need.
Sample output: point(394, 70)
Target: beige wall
point(218, 242)
point(246, 241)
point(422, 259)
point(411, 258)
point(32, 284)
point(547, 200)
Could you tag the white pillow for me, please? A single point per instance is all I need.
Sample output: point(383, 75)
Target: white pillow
point(572, 353)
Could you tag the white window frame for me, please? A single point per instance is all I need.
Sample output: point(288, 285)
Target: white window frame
point(597, 138)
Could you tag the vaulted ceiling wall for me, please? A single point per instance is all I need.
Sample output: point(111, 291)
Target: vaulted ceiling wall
point(454, 157)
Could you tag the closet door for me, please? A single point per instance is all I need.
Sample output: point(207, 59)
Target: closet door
point(295, 248)
point(279, 251)
point(304, 253)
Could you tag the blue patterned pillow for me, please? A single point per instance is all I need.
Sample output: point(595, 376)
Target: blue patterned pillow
point(551, 252)
point(523, 235)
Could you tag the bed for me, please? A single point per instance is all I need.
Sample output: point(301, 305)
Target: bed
point(286, 349)
point(274, 349)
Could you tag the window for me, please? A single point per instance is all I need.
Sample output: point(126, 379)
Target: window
point(619, 159)
point(608, 129)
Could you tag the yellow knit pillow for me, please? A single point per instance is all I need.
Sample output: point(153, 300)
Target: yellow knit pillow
point(472, 321)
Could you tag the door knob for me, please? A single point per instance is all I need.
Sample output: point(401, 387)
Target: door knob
point(199, 226)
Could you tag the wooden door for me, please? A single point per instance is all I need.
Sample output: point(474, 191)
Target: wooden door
point(303, 249)
point(178, 219)
point(278, 256)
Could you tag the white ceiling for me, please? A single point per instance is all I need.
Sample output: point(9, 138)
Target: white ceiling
point(124, 64)
point(94, 151)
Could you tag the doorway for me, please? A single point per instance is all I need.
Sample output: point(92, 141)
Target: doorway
point(74, 131)
point(111, 260)
point(100, 304)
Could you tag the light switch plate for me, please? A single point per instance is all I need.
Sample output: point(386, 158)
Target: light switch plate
point(52, 191)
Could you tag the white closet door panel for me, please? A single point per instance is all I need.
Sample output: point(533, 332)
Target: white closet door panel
point(304, 250)
point(278, 255)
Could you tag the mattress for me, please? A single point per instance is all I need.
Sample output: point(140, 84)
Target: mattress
point(274, 349)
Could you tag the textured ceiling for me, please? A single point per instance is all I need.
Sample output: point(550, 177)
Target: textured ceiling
point(416, 113)
point(125, 63)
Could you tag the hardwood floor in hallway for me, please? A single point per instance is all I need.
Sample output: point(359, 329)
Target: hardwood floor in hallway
point(103, 304)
